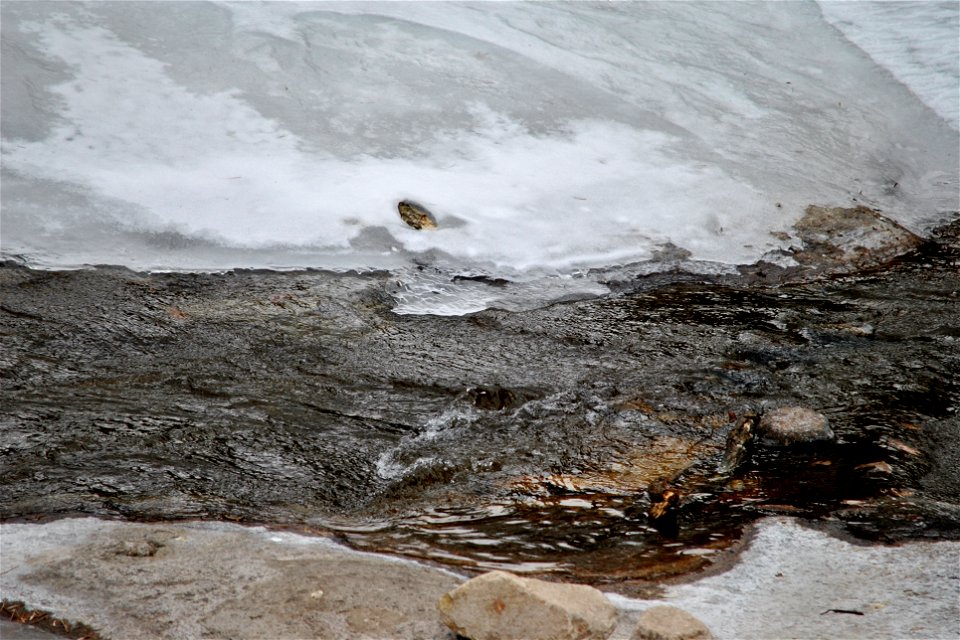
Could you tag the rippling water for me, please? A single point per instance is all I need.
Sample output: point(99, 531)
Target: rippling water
point(532, 439)
point(554, 143)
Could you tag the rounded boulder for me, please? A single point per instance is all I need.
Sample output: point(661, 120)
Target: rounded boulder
point(792, 425)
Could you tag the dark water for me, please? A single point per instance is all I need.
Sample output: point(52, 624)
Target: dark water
point(522, 439)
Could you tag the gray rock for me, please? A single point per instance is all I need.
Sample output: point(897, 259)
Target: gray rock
point(214, 581)
point(500, 606)
point(791, 425)
point(15, 631)
point(669, 623)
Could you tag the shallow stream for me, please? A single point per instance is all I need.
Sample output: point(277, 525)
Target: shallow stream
point(526, 439)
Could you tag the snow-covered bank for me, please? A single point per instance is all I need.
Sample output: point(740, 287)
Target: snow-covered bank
point(546, 137)
point(213, 580)
point(795, 582)
point(917, 42)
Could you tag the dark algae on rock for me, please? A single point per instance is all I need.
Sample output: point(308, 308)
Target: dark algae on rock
point(526, 439)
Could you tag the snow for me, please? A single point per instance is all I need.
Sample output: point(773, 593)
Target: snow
point(547, 138)
point(917, 42)
point(795, 578)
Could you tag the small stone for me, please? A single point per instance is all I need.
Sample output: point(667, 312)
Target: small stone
point(501, 606)
point(669, 623)
point(791, 425)
point(739, 441)
point(416, 215)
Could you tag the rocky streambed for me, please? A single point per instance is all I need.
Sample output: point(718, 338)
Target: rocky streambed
point(529, 440)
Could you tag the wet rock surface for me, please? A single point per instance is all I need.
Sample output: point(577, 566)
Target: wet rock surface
point(844, 240)
point(502, 606)
point(495, 439)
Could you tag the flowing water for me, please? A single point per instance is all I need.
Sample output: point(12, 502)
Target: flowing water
point(527, 439)
point(268, 342)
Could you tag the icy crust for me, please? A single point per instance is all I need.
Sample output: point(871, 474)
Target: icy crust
point(918, 42)
point(547, 139)
point(795, 582)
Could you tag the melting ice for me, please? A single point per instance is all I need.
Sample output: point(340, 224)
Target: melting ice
point(548, 138)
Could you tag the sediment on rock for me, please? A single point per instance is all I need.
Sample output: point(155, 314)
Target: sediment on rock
point(843, 240)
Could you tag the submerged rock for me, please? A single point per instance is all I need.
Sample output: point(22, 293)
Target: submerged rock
point(669, 623)
point(416, 215)
point(664, 503)
point(499, 606)
point(493, 399)
point(778, 427)
point(792, 425)
point(739, 441)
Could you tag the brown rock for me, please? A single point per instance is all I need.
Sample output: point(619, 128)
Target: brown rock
point(838, 239)
point(416, 215)
point(879, 467)
point(739, 442)
point(501, 606)
point(790, 425)
point(669, 623)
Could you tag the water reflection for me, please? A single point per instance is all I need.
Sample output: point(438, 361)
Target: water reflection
point(551, 527)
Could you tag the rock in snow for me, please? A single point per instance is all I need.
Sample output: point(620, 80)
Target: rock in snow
point(669, 623)
point(416, 215)
point(501, 606)
point(841, 240)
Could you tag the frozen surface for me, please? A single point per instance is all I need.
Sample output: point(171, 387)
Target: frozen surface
point(794, 582)
point(791, 582)
point(918, 42)
point(547, 138)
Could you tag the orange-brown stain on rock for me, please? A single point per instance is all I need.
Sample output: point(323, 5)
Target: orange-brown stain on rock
point(177, 313)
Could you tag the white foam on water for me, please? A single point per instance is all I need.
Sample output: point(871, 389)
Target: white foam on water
point(390, 468)
point(547, 138)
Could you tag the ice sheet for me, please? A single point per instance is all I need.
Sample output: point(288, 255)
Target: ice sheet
point(918, 42)
point(547, 138)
